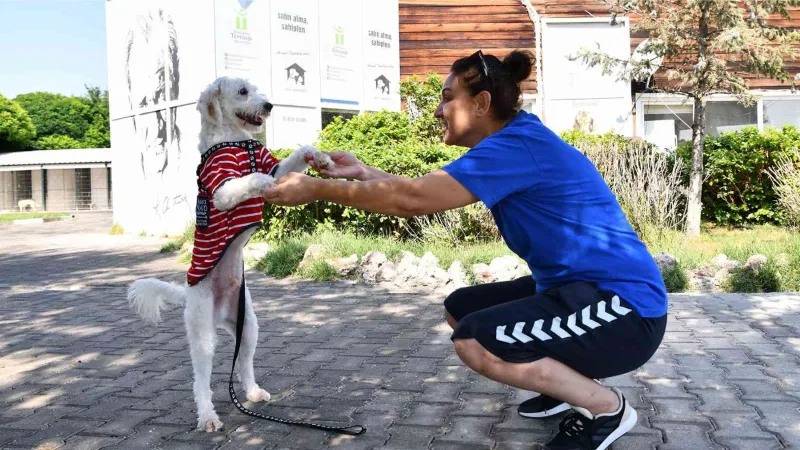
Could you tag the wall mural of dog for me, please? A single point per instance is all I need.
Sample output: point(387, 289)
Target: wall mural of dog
point(231, 109)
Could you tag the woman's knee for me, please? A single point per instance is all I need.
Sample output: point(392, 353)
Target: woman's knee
point(477, 358)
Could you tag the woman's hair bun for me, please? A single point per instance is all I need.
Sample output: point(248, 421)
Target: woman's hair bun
point(518, 64)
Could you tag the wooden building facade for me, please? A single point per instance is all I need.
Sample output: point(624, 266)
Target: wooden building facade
point(434, 33)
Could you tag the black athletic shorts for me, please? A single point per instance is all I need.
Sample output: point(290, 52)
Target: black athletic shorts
point(594, 332)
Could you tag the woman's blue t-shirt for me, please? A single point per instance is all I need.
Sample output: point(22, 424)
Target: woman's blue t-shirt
point(556, 212)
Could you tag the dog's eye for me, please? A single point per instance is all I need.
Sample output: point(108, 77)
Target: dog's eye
point(243, 91)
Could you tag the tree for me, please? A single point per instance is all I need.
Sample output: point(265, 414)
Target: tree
point(707, 46)
point(56, 114)
point(98, 135)
point(56, 142)
point(16, 128)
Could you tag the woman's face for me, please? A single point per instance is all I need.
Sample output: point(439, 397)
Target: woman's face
point(458, 112)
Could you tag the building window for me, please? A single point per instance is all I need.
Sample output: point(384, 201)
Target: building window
point(728, 116)
point(781, 112)
point(667, 126)
point(83, 188)
point(23, 186)
point(328, 115)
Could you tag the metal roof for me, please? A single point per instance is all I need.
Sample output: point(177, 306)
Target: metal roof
point(50, 158)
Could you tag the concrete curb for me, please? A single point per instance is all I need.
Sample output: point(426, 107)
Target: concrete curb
point(39, 220)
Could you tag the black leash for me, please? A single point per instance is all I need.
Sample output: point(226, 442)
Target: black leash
point(353, 430)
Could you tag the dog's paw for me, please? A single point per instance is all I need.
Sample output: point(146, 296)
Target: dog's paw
point(258, 395)
point(209, 422)
point(323, 161)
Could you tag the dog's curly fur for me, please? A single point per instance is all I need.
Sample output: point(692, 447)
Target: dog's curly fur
point(230, 109)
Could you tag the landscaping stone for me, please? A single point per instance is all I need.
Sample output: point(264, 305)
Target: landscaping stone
point(458, 277)
point(344, 266)
point(386, 273)
point(371, 265)
point(755, 262)
point(665, 261)
point(483, 273)
point(722, 262)
point(313, 252)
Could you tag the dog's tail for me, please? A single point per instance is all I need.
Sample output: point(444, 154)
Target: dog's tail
point(150, 296)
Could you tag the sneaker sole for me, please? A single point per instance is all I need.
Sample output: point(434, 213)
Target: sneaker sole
point(623, 428)
point(546, 413)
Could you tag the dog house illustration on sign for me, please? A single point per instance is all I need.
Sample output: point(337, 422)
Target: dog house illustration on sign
point(297, 74)
point(383, 84)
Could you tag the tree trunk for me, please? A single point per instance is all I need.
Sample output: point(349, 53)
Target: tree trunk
point(694, 200)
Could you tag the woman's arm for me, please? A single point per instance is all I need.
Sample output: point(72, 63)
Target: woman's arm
point(349, 167)
point(392, 195)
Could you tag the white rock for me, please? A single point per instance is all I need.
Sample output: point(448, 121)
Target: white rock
point(719, 260)
point(665, 261)
point(755, 262)
point(458, 277)
point(483, 273)
point(344, 266)
point(386, 273)
point(505, 268)
point(313, 252)
point(429, 260)
point(371, 265)
point(408, 261)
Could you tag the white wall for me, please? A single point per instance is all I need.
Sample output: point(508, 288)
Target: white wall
point(6, 192)
point(99, 188)
point(60, 189)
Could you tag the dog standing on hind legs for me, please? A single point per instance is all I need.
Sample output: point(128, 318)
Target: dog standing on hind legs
point(233, 174)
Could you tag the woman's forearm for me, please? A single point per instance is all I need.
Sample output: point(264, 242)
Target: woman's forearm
point(373, 173)
point(385, 194)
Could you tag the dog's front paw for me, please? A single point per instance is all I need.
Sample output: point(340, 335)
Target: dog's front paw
point(209, 422)
point(323, 161)
point(257, 394)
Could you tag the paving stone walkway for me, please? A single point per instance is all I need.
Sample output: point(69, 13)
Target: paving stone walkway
point(79, 370)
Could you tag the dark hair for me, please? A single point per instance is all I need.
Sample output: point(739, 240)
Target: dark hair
point(503, 80)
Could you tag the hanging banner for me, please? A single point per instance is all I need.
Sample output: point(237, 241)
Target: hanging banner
point(295, 59)
point(340, 46)
point(242, 32)
point(381, 57)
point(293, 127)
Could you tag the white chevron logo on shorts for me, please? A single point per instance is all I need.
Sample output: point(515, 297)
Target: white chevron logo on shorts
point(538, 333)
point(556, 328)
point(617, 308)
point(519, 335)
point(500, 335)
point(574, 328)
point(586, 318)
point(601, 312)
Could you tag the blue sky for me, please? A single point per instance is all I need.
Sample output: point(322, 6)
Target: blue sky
point(52, 45)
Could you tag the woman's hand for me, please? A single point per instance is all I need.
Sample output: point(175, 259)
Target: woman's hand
point(293, 189)
point(346, 166)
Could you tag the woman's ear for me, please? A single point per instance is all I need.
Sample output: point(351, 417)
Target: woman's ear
point(483, 103)
point(209, 103)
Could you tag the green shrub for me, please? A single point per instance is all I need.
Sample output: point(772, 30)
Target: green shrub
point(283, 260)
point(319, 270)
point(765, 279)
point(738, 190)
point(675, 279)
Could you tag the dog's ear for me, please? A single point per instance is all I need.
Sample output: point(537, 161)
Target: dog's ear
point(209, 103)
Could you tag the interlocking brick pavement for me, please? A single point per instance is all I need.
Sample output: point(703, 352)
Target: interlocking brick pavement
point(79, 370)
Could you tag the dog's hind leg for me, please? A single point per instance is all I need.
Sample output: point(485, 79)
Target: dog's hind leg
point(247, 350)
point(199, 319)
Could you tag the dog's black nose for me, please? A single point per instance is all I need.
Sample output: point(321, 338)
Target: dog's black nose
point(268, 107)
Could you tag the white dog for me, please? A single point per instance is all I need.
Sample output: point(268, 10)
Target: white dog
point(230, 110)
